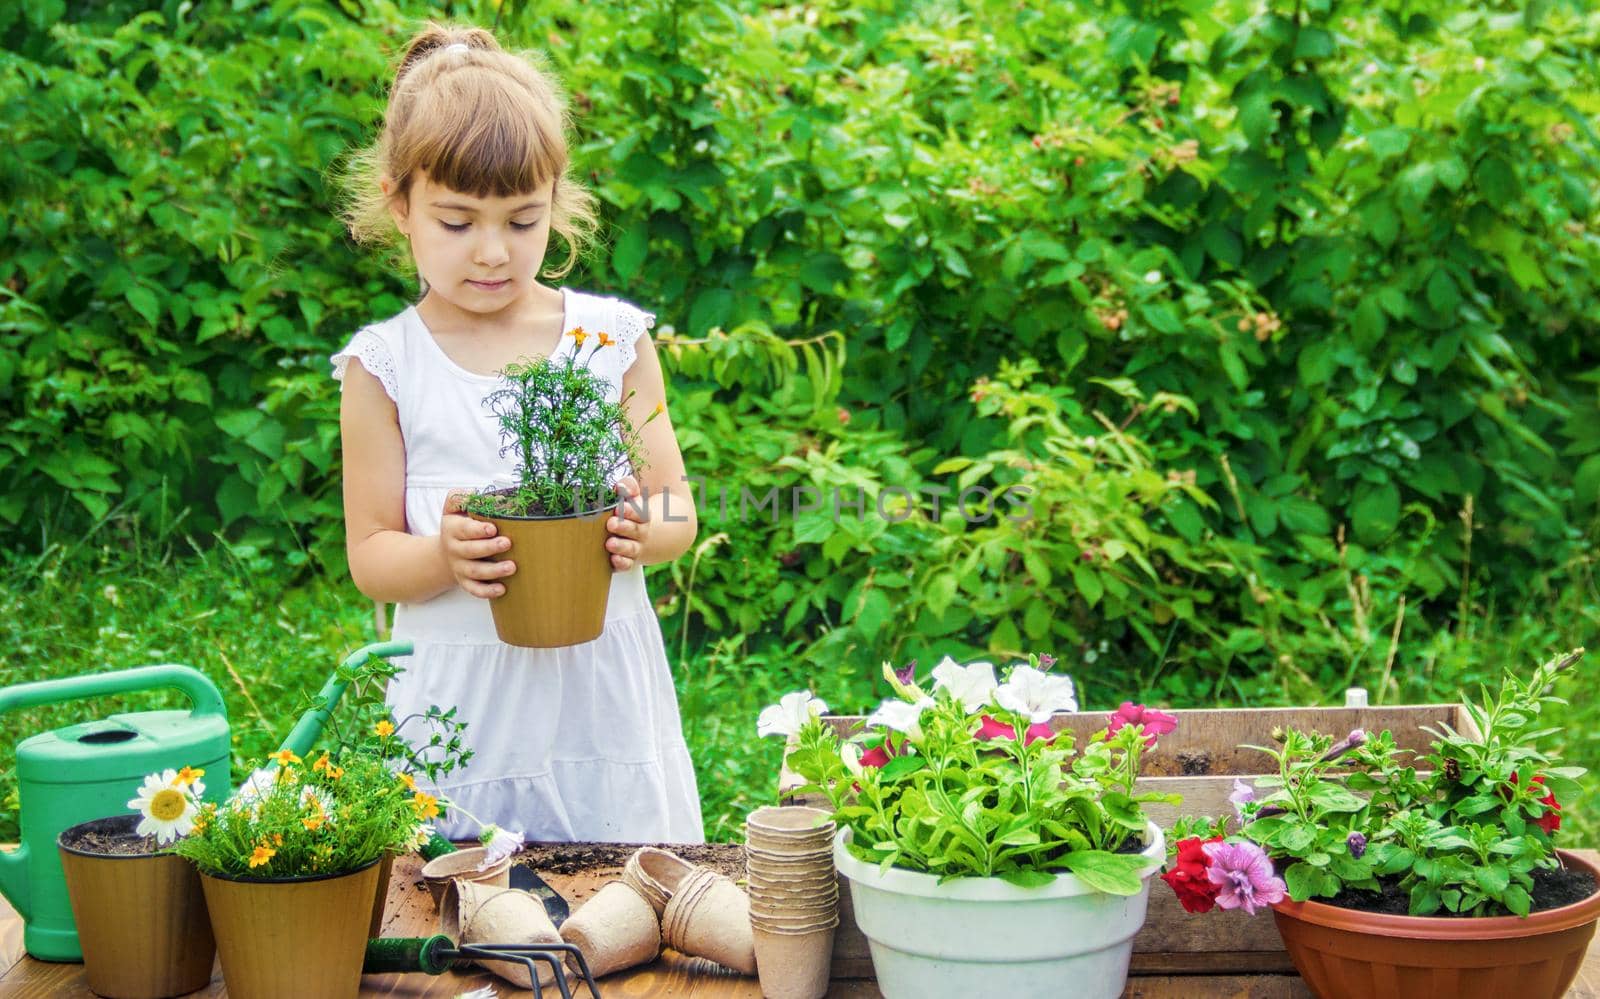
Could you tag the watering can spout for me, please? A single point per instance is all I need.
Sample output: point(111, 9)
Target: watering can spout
point(14, 879)
point(309, 726)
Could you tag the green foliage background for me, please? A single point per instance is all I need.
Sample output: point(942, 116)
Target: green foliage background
point(1281, 314)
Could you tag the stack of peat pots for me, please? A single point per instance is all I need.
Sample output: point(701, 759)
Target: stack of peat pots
point(794, 899)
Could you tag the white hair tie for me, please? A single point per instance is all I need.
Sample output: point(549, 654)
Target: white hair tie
point(456, 47)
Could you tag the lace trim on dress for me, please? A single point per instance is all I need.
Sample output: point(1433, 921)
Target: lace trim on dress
point(631, 325)
point(368, 348)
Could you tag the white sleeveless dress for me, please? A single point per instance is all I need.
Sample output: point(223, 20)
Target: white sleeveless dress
point(578, 743)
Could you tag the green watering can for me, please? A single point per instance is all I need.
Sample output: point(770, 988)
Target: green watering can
point(90, 770)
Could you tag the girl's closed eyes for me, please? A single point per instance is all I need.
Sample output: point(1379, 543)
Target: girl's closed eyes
point(462, 226)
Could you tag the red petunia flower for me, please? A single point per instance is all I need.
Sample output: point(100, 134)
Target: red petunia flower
point(1189, 877)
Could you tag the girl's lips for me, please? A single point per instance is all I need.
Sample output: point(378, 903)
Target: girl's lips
point(489, 285)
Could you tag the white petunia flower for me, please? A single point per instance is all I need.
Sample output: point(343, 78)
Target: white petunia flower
point(167, 809)
point(790, 714)
point(971, 685)
point(901, 716)
point(499, 844)
point(1038, 695)
point(851, 754)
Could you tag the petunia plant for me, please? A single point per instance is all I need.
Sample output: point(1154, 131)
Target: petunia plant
point(1460, 830)
point(295, 817)
point(968, 779)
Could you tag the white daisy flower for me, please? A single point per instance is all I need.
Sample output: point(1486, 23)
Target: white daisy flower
point(499, 844)
point(255, 788)
point(167, 809)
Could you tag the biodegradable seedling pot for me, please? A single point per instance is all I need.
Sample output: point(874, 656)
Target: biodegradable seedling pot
point(656, 874)
point(779, 823)
point(616, 928)
point(301, 937)
point(474, 913)
point(141, 917)
point(462, 865)
point(1350, 953)
point(711, 918)
point(557, 596)
point(793, 965)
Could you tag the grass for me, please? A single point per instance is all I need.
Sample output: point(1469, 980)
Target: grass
point(269, 646)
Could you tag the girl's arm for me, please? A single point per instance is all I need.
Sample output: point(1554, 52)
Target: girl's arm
point(673, 520)
point(386, 562)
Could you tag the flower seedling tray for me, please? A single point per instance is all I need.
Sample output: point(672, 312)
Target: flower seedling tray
point(1200, 761)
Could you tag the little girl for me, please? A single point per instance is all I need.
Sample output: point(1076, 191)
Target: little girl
point(577, 743)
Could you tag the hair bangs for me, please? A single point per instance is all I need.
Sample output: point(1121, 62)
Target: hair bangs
point(481, 141)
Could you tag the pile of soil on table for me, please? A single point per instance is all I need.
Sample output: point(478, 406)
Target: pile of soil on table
point(1551, 890)
point(575, 858)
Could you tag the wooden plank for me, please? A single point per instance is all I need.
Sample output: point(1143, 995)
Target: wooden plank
point(1217, 987)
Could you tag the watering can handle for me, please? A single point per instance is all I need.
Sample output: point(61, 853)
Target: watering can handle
point(309, 726)
point(202, 694)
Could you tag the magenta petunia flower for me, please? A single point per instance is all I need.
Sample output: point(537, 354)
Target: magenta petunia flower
point(994, 728)
point(1156, 723)
point(1244, 876)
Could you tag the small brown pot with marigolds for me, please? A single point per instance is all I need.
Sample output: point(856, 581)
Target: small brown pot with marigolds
point(571, 444)
point(301, 836)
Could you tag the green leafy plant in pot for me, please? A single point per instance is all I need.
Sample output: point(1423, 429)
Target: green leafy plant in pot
point(986, 853)
point(1405, 875)
point(570, 444)
point(138, 905)
point(289, 866)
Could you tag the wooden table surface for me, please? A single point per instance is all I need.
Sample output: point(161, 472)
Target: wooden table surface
point(410, 913)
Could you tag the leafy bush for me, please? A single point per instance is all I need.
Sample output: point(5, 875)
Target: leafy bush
point(1351, 249)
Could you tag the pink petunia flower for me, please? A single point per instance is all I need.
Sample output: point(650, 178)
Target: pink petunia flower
point(994, 728)
point(1244, 877)
point(1156, 723)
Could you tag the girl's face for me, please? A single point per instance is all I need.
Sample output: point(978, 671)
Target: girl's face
point(479, 254)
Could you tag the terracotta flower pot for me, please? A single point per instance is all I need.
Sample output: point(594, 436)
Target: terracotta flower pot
point(141, 918)
point(1347, 952)
point(558, 594)
point(302, 937)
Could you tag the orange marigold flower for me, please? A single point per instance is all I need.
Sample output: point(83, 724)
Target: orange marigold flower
point(262, 854)
point(188, 775)
point(409, 781)
point(578, 335)
point(661, 407)
point(606, 341)
point(313, 823)
point(322, 764)
point(425, 805)
point(384, 729)
point(284, 757)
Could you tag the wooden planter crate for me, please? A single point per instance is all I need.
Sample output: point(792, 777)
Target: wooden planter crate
point(1200, 762)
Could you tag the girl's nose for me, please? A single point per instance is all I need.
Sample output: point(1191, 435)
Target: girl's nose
point(491, 252)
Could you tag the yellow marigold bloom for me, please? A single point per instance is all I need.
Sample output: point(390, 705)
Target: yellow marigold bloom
point(262, 854)
point(425, 805)
point(661, 407)
point(188, 775)
point(284, 757)
point(321, 764)
point(409, 781)
point(336, 772)
point(606, 341)
point(313, 823)
point(578, 335)
point(384, 729)
point(277, 839)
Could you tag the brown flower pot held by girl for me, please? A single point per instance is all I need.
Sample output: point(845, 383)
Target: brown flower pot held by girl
point(141, 918)
point(1349, 953)
point(301, 937)
point(557, 596)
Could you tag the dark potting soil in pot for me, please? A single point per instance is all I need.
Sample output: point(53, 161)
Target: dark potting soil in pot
point(112, 843)
point(1551, 890)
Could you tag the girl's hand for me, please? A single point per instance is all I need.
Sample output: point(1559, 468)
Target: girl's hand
point(629, 527)
point(467, 545)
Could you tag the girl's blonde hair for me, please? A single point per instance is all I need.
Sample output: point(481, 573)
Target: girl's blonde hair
point(482, 121)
